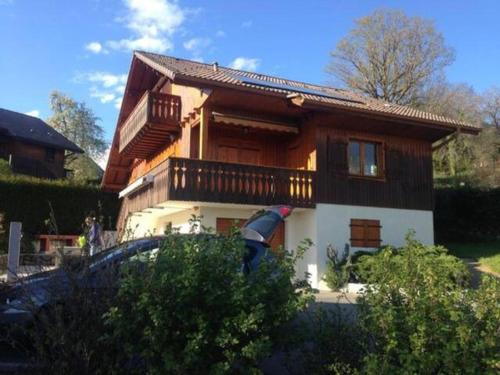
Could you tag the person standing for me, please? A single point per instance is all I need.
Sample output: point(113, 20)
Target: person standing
point(94, 239)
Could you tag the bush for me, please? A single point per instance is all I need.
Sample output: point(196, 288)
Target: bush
point(337, 269)
point(191, 310)
point(420, 318)
point(465, 214)
point(27, 200)
point(5, 169)
point(329, 342)
point(69, 336)
point(396, 266)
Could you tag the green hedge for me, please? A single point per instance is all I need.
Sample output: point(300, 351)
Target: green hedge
point(466, 214)
point(27, 200)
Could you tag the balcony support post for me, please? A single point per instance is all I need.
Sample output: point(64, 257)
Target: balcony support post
point(203, 146)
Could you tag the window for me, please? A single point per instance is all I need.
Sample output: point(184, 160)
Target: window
point(364, 158)
point(50, 155)
point(365, 233)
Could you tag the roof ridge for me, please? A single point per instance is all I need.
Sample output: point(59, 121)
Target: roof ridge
point(352, 99)
point(209, 65)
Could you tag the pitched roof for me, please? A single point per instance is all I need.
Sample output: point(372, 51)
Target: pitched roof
point(33, 130)
point(176, 68)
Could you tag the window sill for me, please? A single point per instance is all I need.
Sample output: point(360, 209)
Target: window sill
point(369, 178)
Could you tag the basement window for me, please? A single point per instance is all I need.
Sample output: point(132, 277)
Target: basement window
point(365, 233)
point(364, 158)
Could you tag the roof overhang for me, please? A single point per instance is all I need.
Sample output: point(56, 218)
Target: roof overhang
point(302, 102)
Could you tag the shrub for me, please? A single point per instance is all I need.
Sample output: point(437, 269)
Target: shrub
point(27, 200)
point(337, 269)
point(5, 169)
point(329, 342)
point(466, 214)
point(68, 336)
point(191, 310)
point(400, 266)
point(420, 318)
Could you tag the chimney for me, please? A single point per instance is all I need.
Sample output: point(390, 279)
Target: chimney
point(215, 66)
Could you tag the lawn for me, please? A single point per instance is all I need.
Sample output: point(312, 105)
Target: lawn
point(487, 253)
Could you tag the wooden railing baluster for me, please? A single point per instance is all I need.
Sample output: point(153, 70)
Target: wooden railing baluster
point(213, 181)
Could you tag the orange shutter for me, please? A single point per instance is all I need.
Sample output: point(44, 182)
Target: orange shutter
point(365, 233)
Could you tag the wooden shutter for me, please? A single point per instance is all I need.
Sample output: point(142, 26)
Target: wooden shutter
point(365, 233)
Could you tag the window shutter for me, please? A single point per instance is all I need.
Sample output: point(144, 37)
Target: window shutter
point(365, 233)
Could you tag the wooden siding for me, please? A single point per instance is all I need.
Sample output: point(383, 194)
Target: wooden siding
point(30, 159)
point(406, 181)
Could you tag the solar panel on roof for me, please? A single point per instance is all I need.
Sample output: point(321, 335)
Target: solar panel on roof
point(281, 86)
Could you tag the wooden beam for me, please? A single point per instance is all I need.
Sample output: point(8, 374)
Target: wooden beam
point(445, 140)
point(122, 168)
point(203, 146)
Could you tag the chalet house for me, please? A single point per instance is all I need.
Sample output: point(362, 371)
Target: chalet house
point(201, 139)
point(32, 147)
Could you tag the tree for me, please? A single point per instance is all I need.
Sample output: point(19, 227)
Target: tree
point(471, 159)
point(491, 107)
point(390, 56)
point(78, 123)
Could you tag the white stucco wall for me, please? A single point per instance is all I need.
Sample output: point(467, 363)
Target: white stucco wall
point(328, 224)
point(299, 226)
point(332, 223)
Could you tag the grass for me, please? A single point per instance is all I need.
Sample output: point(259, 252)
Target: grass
point(487, 253)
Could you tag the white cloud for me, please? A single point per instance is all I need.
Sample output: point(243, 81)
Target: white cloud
point(103, 160)
point(247, 24)
point(34, 113)
point(197, 45)
point(105, 79)
point(118, 102)
point(245, 63)
point(106, 87)
point(152, 23)
point(103, 96)
point(95, 47)
point(220, 34)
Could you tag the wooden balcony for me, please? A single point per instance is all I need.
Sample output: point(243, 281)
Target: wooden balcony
point(151, 123)
point(212, 181)
point(193, 180)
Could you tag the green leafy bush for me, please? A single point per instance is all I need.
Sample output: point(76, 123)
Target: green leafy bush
point(189, 310)
point(397, 266)
point(337, 269)
point(5, 169)
point(420, 319)
point(27, 200)
point(327, 342)
point(466, 214)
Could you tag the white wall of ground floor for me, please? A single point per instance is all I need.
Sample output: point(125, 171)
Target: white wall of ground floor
point(326, 225)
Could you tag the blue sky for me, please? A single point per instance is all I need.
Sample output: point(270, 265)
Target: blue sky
point(83, 48)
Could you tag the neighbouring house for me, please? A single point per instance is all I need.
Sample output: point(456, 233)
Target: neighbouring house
point(32, 147)
point(201, 139)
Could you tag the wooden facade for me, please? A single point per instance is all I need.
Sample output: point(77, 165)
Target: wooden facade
point(32, 159)
point(406, 177)
point(226, 145)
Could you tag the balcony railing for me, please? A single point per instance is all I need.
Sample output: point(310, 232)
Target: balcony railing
point(213, 181)
point(150, 124)
point(193, 180)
